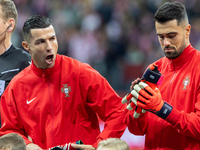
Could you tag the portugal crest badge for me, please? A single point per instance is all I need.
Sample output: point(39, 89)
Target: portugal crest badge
point(66, 89)
point(186, 82)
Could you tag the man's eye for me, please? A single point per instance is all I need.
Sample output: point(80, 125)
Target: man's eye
point(39, 42)
point(53, 38)
point(172, 36)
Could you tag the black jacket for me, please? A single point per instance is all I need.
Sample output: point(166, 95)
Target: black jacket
point(12, 62)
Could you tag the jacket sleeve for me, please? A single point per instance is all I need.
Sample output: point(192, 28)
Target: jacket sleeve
point(187, 123)
point(9, 116)
point(103, 100)
point(136, 126)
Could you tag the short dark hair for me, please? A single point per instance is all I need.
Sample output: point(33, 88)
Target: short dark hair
point(170, 11)
point(34, 22)
point(12, 141)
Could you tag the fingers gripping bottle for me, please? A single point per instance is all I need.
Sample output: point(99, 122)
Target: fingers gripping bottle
point(153, 78)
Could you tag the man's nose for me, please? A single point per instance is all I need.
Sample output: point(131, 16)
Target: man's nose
point(166, 42)
point(49, 46)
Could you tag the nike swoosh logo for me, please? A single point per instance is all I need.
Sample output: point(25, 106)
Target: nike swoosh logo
point(28, 102)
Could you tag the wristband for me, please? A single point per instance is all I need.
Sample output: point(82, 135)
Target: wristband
point(165, 111)
point(79, 142)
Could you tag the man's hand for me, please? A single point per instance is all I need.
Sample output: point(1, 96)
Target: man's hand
point(150, 99)
point(83, 147)
point(32, 146)
point(131, 105)
point(134, 83)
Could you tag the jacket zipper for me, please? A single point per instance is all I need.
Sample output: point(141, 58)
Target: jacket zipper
point(51, 104)
point(52, 112)
point(169, 93)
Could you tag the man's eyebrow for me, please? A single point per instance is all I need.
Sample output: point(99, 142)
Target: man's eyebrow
point(53, 36)
point(41, 39)
point(167, 33)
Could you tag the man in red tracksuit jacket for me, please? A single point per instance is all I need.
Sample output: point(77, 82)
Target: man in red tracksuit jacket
point(56, 99)
point(172, 121)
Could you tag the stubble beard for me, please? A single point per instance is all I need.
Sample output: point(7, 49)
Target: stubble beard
point(176, 53)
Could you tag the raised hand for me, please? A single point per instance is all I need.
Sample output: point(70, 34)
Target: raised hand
point(150, 99)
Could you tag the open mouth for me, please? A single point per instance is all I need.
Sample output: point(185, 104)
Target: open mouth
point(49, 59)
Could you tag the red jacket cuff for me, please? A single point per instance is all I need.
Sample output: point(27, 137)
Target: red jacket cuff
point(173, 116)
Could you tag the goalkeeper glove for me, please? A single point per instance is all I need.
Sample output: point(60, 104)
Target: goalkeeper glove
point(150, 100)
point(153, 78)
point(66, 146)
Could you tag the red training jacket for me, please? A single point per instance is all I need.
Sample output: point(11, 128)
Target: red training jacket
point(59, 105)
point(181, 89)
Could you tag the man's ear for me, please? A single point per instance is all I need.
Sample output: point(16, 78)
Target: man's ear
point(25, 46)
point(11, 25)
point(188, 28)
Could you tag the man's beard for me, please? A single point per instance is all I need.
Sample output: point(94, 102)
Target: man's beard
point(176, 53)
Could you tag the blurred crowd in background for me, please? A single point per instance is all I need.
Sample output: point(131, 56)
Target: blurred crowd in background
point(116, 37)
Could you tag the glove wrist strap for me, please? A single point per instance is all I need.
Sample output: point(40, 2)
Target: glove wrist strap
point(165, 110)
